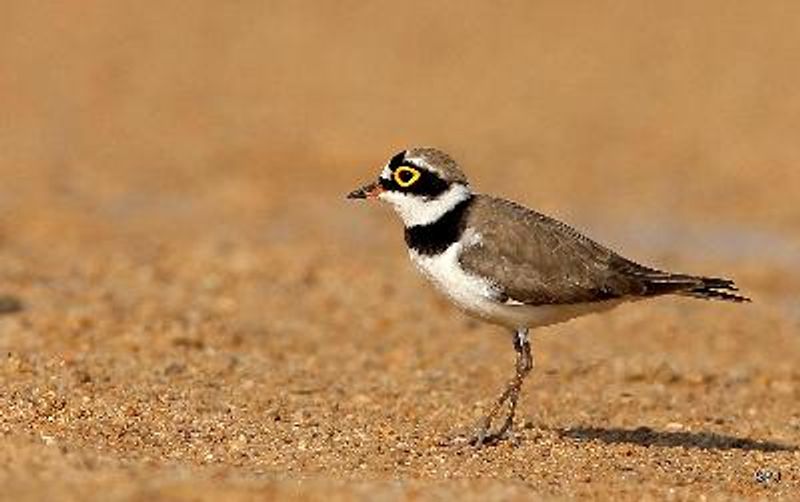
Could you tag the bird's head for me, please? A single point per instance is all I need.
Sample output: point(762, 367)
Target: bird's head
point(421, 184)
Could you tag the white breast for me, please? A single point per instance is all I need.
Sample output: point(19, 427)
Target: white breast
point(478, 296)
point(470, 293)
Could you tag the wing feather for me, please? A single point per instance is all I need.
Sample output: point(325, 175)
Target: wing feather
point(537, 260)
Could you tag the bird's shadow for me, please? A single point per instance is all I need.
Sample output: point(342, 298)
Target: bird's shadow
point(645, 436)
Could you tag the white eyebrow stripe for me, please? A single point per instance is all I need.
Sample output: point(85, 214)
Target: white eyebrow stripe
point(420, 163)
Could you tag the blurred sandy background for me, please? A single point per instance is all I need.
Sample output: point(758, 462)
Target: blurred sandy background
point(205, 316)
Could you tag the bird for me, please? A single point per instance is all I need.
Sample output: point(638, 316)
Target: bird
point(511, 266)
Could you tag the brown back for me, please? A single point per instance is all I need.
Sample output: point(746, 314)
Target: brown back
point(534, 259)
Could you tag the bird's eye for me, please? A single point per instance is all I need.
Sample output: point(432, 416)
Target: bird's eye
point(406, 176)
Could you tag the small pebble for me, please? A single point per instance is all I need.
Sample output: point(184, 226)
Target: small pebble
point(10, 304)
point(674, 427)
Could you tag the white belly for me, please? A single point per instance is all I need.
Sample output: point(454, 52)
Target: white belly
point(478, 296)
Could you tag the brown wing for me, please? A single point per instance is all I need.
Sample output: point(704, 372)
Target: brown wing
point(534, 259)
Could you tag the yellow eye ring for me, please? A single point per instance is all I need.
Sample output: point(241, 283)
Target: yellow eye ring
point(415, 174)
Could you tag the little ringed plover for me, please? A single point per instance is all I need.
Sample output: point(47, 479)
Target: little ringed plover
point(512, 266)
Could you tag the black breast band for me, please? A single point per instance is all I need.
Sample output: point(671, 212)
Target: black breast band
point(437, 236)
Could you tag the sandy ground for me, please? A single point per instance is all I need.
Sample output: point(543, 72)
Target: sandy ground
point(192, 311)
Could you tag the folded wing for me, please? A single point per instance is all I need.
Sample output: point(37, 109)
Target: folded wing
point(536, 260)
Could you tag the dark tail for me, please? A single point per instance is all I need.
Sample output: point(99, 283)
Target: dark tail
point(713, 288)
point(655, 282)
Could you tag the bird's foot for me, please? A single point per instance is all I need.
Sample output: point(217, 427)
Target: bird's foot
point(477, 437)
point(485, 436)
point(482, 435)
